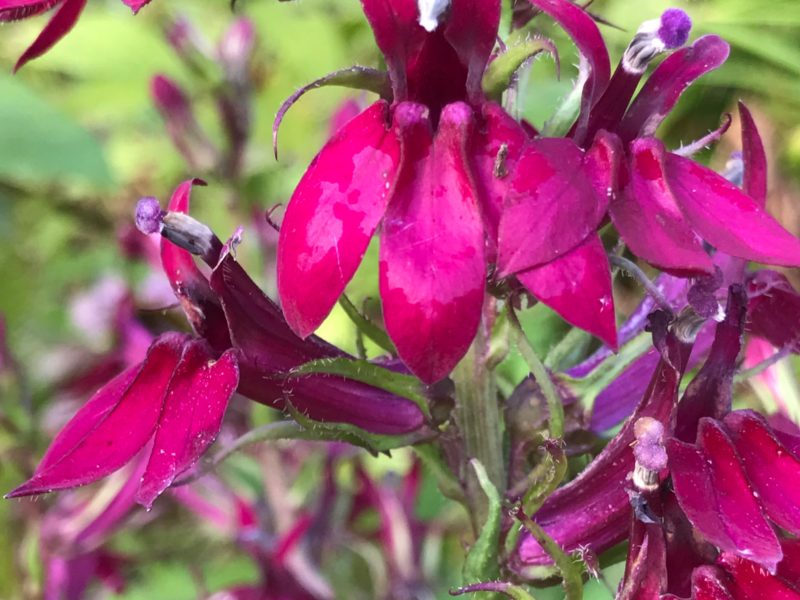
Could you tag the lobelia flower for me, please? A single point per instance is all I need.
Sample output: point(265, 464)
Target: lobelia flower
point(178, 394)
point(663, 204)
point(67, 14)
point(430, 167)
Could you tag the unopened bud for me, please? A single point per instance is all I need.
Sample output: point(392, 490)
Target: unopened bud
point(654, 37)
point(430, 11)
point(649, 452)
point(236, 45)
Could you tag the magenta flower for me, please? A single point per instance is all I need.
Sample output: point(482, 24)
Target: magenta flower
point(67, 14)
point(663, 204)
point(422, 166)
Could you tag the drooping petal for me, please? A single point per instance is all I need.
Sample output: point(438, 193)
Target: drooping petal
point(649, 219)
point(551, 206)
point(754, 158)
point(578, 287)
point(661, 92)
point(494, 152)
point(714, 492)
point(728, 218)
point(710, 392)
point(194, 405)
point(432, 267)
point(112, 427)
point(749, 580)
point(59, 25)
point(582, 29)
point(270, 349)
point(771, 468)
point(332, 216)
point(773, 309)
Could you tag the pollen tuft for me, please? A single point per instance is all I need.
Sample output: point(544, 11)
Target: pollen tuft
point(148, 215)
point(675, 28)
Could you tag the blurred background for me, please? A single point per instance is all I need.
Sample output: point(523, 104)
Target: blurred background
point(83, 137)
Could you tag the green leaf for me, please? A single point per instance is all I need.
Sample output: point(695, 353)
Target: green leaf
point(364, 371)
point(367, 327)
point(39, 145)
point(481, 563)
point(501, 70)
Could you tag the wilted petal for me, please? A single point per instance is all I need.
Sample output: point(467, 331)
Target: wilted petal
point(772, 469)
point(649, 219)
point(550, 208)
point(754, 158)
point(194, 405)
point(662, 90)
point(714, 493)
point(109, 431)
point(332, 216)
point(494, 152)
point(578, 287)
point(583, 31)
point(726, 217)
point(432, 268)
point(59, 25)
point(750, 580)
point(773, 309)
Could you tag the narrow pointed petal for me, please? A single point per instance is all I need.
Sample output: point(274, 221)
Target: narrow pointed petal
point(578, 287)
point(771, 468)
point(332, 215)
point(551, 206)
point(661, 92)
point(754, 158)
point(715, 494)
point(649, 219)
point(116, 431)
point(773, 309)
point(270, 349)
point(494, 152)
point(432, 266)
point(750, 580)
point(471, 29)
point(59, 25)
point(593, 509)
point(728, 218)
point(710, 393)
point(194, 405)
point(580, 26)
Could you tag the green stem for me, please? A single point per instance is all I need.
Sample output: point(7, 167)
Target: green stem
point(541, 375)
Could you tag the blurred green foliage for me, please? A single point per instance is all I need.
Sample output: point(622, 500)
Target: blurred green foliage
point(80, 142)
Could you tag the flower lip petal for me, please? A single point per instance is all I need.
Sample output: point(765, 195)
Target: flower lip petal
point(432, 266)
point(332, 215)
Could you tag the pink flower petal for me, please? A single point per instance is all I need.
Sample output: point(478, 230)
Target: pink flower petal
point(726, 217)
point(550, 208)
point(65, 18)
point(710, 583)
point(649, 219)
point(583, 31)
point(13, 10)
point(661, 92)
point(194, 405)
point(136, 5)
point(112, 427)
point(432, 269)
point(754, 157)
point(471, 28)
point(332, 216)
point(773, 470)
point(578, 287)
point(773, 309)
point(751, 581)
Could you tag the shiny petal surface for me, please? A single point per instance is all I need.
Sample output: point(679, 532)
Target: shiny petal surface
point(59, 25)
point(754, 158)
point(432, 267)
point(650, 220)
point(772, 469)
point(112, 427)
point(715, 494)
point(550, 208)
point(726, 217)
point(582, 29)
point(578, 287)
point(332, 215)
point(751, 581)
point(663, 88)
point(494, 152)
point(194, 405)
point(773, 309)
